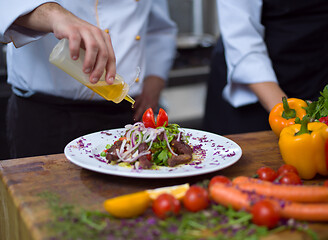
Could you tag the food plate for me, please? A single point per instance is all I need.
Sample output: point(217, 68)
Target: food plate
point(212, 152)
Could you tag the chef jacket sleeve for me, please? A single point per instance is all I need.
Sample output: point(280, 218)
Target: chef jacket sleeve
point(161, 41)
point(245, 50)
point(9, 12)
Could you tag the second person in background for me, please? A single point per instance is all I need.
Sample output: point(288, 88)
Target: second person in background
point(267, 49)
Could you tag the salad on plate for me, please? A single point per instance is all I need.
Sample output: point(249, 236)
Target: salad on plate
point(149, 144)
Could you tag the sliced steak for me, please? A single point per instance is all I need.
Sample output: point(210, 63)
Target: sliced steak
point(142, 147)
point(179, 159)
point(111, 154)
point(180, 147)
point(144, 163)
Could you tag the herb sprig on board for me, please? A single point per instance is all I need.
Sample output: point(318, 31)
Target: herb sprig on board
point(217, 222)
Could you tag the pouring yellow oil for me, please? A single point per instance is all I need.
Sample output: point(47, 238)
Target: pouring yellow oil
point(112, 92)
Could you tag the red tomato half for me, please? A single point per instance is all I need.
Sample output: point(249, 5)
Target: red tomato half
point(162, 118)
point(148, 118)
point(166, 205)
point(220, 179)
point(196, 199)
point(265, 213)
point(267, 174)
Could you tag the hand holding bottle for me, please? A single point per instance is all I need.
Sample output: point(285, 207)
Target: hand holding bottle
point(99, 53)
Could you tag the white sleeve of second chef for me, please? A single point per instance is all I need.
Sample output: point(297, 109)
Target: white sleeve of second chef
point(245, 51)
point(161, 41)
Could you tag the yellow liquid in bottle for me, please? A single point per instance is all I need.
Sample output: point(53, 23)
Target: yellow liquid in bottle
point(111, 92)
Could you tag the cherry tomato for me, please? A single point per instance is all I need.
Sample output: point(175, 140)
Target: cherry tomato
point(166, 205)
point(162, 119)
point(325, 183)
point(265, 213)
point(148, 118)
point(324, 120)
point(219, 178)
point(290, 178)
point(267, 174)
point(287, 168)
point(196, 199)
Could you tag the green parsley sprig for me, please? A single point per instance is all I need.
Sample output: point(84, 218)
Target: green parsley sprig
point(319, 108)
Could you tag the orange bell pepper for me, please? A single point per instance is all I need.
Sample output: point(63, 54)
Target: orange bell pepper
point(284, 114)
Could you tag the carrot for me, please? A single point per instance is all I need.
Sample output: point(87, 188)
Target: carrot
point(305, 211)
point(239, 199)
point(228, 195)
point(297, 193)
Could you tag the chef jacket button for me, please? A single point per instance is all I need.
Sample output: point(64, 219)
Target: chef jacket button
point(138, 37)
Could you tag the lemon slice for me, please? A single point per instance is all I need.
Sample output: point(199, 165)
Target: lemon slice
point(128, 206)
point(178, 191)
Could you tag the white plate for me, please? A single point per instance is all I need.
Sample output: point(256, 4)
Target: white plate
point(212, 153)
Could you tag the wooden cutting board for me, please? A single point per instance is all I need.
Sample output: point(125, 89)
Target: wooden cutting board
point(23, 215)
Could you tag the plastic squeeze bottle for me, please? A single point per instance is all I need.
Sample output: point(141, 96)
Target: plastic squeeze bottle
point(60, 57)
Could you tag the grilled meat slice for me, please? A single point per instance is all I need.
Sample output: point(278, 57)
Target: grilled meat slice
point(179, 159)
point(144, 163)
point(184, 152)
point(111, 154)
point(181, 147)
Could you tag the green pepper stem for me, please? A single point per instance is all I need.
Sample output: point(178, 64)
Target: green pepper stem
point(288, 112)
point(304, 126)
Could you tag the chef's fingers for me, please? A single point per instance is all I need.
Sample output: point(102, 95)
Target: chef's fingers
point(111, 63)
point(104, 58)
point(74, 46)
point(95, 55)
point(99, 53)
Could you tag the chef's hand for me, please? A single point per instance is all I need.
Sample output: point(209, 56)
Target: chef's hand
point(51, 17)
point(152, 87)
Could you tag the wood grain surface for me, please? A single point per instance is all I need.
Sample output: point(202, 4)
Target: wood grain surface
point(23, 215)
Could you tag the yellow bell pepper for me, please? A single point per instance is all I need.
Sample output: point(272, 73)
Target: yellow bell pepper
point(304, 146)
point(284, 114)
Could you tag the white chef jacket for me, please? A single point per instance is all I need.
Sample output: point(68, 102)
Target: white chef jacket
point(245, 51)
point(142, 36)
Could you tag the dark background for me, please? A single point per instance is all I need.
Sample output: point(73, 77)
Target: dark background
point(4, 94)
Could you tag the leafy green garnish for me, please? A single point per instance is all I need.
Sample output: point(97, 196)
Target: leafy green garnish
point(317, 109)
point(160, 157)
point(173, 128)
point(159, 148)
